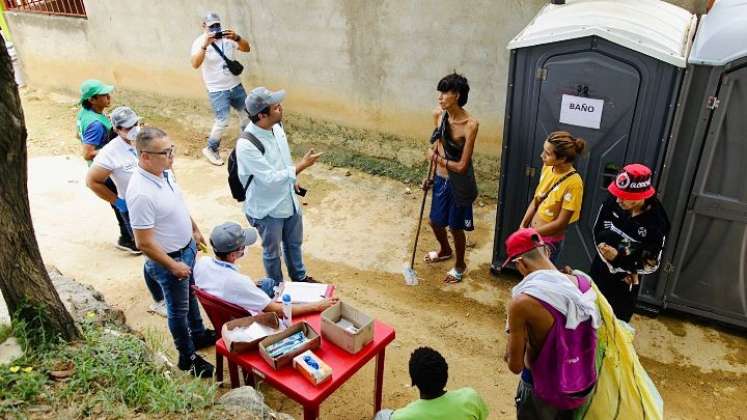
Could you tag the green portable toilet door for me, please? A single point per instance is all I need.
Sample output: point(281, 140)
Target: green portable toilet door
point(711, 255)
point(591, 79)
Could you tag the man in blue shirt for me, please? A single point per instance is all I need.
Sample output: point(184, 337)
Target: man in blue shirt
point(271, 205)
point(95, 131)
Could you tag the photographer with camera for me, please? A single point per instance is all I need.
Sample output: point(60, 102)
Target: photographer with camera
point(629, 233)
point(214, 50)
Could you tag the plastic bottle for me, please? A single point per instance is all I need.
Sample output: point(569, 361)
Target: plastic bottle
point(287, 310)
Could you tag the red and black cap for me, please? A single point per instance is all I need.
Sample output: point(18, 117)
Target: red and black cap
point(633, 183)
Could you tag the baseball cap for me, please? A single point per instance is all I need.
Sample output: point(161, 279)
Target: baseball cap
point(633, 183)
point(93, 87)
point(520, 242)
point(124, 117)
point(230, 237)
point(211, 18)
point(260, 98)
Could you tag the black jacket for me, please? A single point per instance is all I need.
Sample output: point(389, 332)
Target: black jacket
point(639, 240)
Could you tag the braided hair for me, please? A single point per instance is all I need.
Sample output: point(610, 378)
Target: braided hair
point(566, 146)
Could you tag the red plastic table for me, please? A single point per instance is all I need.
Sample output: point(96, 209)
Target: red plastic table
point(290, 382)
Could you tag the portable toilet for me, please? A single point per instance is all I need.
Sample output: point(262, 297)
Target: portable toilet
point(704, 181)
point(607, 71)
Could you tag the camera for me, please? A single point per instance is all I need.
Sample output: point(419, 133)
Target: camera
point(216, 31)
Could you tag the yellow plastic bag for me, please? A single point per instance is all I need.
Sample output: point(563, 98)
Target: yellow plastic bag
point(623, 390)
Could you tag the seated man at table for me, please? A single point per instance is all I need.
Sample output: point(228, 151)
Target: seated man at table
point(220, 276)
point(429, 372)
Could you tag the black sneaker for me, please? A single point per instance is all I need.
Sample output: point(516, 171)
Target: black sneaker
point(196, 365)
point(128, 245)
point(308, 279)
point(206, 339)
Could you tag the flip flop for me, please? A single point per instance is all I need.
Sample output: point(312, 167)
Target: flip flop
point(432, 257)
point(454, 276)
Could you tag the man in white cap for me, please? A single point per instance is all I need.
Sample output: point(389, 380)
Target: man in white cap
point(118, 160)
point(271, 205)
point(213, 51)
point(220, 276)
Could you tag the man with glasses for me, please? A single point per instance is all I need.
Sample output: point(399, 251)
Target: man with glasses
point(95, 131)
point(225, 90)
point(167, 235)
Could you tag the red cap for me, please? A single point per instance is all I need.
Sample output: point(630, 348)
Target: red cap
point(520, 242)
point(633, 183)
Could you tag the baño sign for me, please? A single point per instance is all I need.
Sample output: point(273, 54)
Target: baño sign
point(580, 111)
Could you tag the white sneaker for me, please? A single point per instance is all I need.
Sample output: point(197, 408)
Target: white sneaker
point(158, 308)
point(212, 156)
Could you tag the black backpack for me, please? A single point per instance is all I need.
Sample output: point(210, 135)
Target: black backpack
point(238, 190)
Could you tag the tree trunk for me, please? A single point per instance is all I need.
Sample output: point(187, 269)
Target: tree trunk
point(24, 281)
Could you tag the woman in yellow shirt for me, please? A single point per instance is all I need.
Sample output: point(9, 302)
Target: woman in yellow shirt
point(559, 194)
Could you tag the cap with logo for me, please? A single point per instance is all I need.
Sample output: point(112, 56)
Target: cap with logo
point(124, 117)
point(230, 237)
point(520, 242)
point(93, 87)
point(211, 18)
point(260, 98)
point(633, 183)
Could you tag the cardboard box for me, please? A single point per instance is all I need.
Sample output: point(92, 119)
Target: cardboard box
point(352, 342)
point(314, 342)
point(315, 375)
point(267, 319)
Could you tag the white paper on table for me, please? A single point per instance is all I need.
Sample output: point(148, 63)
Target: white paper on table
point(302, 292)
point(254, 331)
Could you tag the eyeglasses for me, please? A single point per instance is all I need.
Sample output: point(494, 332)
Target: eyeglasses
point(168, 152)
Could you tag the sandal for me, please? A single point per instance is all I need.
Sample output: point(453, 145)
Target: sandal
point(433, 257)
point(454, 276)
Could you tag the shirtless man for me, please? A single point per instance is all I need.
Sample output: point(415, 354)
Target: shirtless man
point(454, 186)
point(549, 308)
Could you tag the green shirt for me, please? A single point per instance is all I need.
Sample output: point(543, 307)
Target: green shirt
point(462, 404)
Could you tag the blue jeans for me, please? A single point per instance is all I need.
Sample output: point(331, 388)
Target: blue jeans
point(182, 310)
point(268, 286)
point(222, 102)
point(153, 287)
point(289, 233)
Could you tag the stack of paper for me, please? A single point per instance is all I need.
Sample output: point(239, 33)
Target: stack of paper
point(302, 292)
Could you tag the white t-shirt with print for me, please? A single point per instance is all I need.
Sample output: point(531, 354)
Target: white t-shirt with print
point(223, 280)
point(120, 159)
point(214, 69)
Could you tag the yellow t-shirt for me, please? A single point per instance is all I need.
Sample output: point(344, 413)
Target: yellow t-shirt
point(568, 195)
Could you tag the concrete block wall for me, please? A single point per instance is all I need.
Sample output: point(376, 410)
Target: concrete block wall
point(369, 64)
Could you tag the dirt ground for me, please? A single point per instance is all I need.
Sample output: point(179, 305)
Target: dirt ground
point(358, 231)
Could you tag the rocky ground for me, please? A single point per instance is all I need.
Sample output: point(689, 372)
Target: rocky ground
point(357, 234)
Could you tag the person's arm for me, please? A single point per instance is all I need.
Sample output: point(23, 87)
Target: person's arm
point(299, 309)
point(93, 137)
point(197, 235)
point(96, 181)
point(145, 240)
point(198, 51)
point(308, 160)
point(242, 43)
point(529, 214)
point(461, 166)
point(517, 334)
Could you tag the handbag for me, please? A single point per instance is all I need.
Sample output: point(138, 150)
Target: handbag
point(233, 66)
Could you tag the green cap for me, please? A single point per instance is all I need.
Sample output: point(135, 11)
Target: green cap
point(93, 87)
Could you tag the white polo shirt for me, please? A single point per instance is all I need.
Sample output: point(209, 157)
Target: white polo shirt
point(120, 158)
point(222, 279)
point(156, 202)
point(214, 69)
